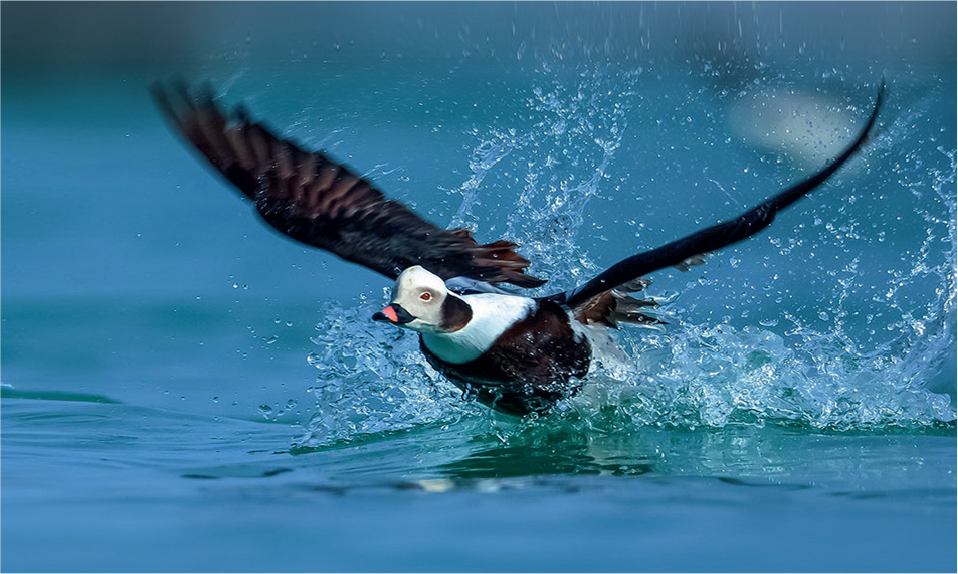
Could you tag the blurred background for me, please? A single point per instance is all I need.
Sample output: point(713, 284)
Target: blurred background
point(132, 37)
point(184, 389)
point(102, 204)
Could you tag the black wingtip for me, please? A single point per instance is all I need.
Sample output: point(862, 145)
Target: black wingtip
point(722, 234)
point(879, 100)
point(866, 132)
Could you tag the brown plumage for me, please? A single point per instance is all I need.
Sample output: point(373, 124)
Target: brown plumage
point(519, 355)
point(609, 308)
point(320, 202)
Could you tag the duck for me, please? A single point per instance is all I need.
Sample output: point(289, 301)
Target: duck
point(515, 353)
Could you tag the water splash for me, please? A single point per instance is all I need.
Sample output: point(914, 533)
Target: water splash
point(862, 363)
point(559, 159)
point(378, 382)
point(856, 373)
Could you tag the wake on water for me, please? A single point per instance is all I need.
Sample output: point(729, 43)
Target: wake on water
point(687, 375)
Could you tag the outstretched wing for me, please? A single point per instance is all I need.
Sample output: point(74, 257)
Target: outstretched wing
point(715, 237)
point(320, 202)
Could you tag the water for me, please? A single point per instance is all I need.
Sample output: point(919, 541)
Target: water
point(185, 390)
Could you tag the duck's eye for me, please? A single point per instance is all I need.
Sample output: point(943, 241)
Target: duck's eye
point(425, 296)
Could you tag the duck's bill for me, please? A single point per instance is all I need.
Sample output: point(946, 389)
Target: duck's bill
point(393, 314)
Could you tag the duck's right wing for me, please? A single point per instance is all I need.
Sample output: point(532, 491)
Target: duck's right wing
point(319, 202)
point(688, 249)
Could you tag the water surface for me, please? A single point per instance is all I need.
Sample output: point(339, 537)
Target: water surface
point(185, 390)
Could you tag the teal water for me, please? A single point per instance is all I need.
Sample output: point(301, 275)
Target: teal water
point(185, 390)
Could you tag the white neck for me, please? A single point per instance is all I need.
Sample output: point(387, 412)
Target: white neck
point(492, 314)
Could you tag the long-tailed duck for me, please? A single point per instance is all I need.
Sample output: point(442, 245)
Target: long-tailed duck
point(516, 354)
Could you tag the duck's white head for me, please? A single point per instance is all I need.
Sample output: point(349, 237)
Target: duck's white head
point(421, 302)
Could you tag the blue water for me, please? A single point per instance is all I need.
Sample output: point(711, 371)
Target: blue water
point(184, 389)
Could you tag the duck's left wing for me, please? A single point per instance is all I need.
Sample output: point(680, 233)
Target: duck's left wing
point(320, 202)
point(716, 237)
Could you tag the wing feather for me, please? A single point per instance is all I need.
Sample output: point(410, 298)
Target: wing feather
point(690, 250)
point(315, 200)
